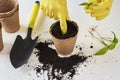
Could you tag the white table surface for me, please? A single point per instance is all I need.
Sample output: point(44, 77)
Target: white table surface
point(106, 67)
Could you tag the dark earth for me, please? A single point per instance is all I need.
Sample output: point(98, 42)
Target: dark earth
point(56, 66)
point(72, 30)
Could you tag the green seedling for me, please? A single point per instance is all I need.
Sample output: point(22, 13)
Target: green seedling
point(112, 46)
point(106, 47)
point(102, 51)
point(115, 40)
point(87, 5)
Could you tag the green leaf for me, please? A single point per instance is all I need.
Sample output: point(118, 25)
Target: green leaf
point(102, 51)
point(84, 4)
point(115, 40)
point(87, 5)
point(112, 46)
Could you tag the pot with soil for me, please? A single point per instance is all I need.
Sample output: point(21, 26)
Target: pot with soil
point(64, 44)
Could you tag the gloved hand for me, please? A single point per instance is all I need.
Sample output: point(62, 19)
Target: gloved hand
point(101, 10)
point(56, 9)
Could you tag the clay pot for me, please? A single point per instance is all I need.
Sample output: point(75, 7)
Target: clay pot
point(9, 15)
point(65, 44)
point(1, 40)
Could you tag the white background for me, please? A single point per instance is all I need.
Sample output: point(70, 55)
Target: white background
point(106, 67)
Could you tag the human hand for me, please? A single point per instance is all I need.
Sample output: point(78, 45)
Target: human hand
point(56, 9)
point(101, 10)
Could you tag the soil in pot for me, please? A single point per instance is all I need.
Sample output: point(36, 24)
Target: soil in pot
point(71, 32)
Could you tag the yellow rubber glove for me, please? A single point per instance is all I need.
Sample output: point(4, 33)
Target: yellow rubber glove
point(101, 10)
point(56, 9)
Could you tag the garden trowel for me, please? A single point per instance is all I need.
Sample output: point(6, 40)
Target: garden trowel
point(22, 48)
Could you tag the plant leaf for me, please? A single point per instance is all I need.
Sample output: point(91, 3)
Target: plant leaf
point(87, 5)
point(84, 4)
point(112, 46)
point(102, 51)
point(115, 40)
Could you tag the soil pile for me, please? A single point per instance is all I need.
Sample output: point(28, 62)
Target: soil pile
point(57, 67)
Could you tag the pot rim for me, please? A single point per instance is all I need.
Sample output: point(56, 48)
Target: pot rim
point(50, 31)
point(11, 12)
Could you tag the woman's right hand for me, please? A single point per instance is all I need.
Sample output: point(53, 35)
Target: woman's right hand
point(56, 9)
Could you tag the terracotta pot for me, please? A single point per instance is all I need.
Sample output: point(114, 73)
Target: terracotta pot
point(1, 40)
point(64, 46)
point(9, 15)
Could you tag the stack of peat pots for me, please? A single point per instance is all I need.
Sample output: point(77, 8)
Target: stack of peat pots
point(9, 17)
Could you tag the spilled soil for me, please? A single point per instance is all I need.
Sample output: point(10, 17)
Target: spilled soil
point(57, 68)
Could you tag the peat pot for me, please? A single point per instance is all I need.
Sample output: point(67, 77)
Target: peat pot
point(9, 15)
point(64, 44)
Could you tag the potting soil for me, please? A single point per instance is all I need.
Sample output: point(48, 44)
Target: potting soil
point(56, 67)
point(71, 30)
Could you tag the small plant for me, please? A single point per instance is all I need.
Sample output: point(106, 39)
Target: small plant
point(111, 46)
point(87, 5)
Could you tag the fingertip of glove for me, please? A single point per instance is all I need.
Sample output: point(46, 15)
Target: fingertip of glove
point(99, 18)
point(88, 10)
point(92, 14)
